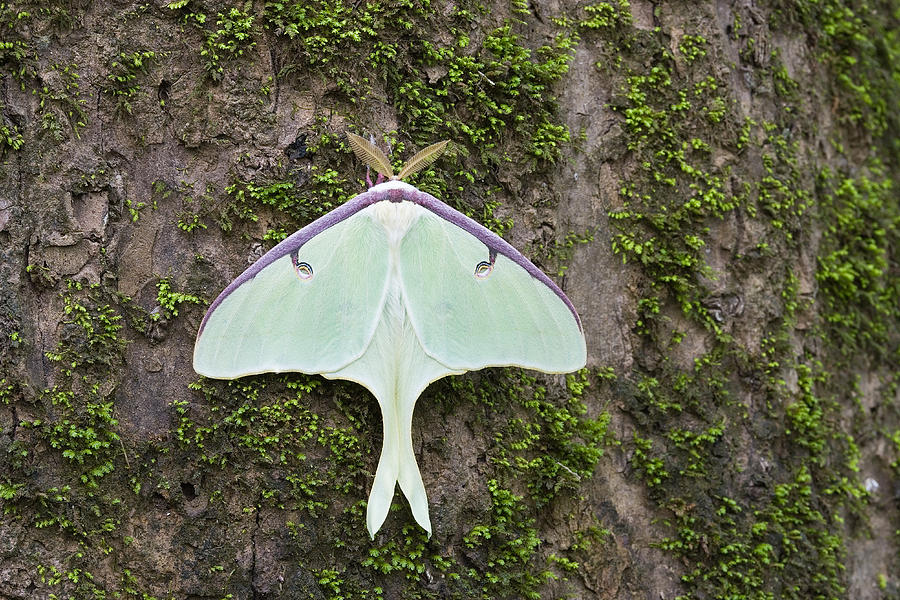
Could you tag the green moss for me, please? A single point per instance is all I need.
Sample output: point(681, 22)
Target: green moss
point(510, 543)
point(481, 87)
point(861, 240)
point(402, 555)
point(169, 300)
point(91, 330)
point(322, 193)
point(194, 210)
point(16, 52)
point(861, 46)
point(231, 38)
point(226, 37)
point(650, 465)
point(79, 419)
point(10, 136)
point(557, 447)
point(135, 207)
point(85, 436)
point(325, 32)
point(603, 15)
point(74, 441)
point(785, 86)
point(267, 421)
point(335, 586)
point(193, 207)
point(692, 47)
point(516, 98)
point(786, 539)
point(696, 445)
point(747, 546)
point(661, 128)
point(236, 422)
point(124, 71)
point(60, 103)
point(782, 194)
point(60, 106)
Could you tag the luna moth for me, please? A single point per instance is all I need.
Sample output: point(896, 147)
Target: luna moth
point(393, 290)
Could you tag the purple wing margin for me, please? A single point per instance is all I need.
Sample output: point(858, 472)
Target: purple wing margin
point(291, 244)
point(394, 191)
point(490, 239)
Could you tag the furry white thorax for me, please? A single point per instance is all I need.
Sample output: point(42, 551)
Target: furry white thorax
point(396, 218)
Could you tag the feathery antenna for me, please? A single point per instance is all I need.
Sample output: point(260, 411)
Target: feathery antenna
point(422, 159)
point(369, 154)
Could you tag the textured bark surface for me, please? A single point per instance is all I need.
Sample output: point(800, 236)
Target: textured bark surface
point(711, 183)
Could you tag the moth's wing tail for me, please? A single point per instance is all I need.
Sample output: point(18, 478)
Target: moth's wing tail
point(411, 483)
point(397, 464)
point(382, 488)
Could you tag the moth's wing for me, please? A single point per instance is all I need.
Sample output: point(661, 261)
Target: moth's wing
point(274, 320)
point(509, 317)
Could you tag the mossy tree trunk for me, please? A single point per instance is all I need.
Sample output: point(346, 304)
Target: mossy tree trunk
point(712, 183)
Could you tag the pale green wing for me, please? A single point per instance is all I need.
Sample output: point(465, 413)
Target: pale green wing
point(395, 369)
point(316, 317)
point(469, 316)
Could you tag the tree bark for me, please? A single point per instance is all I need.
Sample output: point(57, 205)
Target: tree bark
point(711, 183)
